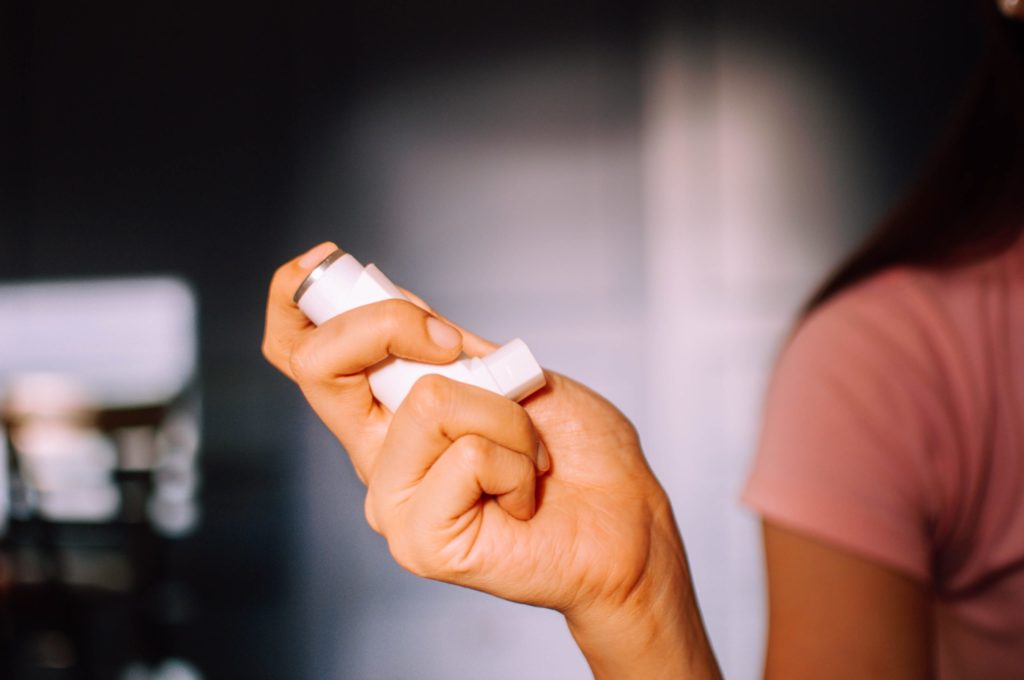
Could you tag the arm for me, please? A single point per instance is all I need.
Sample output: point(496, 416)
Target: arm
point(833, 614)
point(860, 425)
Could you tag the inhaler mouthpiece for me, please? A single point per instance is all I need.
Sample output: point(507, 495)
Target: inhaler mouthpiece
point(339, 283)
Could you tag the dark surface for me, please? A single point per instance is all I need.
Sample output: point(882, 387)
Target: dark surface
point(206, 598)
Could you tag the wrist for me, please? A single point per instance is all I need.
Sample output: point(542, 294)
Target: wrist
point(653, 631)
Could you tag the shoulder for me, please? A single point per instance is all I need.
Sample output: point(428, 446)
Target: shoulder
point(916, 306)
point(855, 415)
point(882, 407)
point(884, 337)
point(914, 337)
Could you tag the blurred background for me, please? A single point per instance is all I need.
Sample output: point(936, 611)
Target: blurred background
point(643, 191)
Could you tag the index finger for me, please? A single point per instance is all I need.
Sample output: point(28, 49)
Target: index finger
point(285, 322)
point(437, 412)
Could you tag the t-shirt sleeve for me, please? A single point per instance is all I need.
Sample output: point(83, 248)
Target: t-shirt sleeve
point(851, 426)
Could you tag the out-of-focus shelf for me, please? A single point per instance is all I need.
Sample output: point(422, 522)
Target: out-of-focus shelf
point(116, 600)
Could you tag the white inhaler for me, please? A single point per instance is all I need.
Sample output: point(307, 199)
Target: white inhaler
point(339, 283)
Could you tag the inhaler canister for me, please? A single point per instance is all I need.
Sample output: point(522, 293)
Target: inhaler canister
point(339, 283)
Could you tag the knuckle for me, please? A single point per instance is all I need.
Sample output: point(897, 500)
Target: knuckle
point(392, 315)
point(429, 393)
point(280, 278)
point(304, 363)
point(473, 451)
point(393, 307)
point(274, 356)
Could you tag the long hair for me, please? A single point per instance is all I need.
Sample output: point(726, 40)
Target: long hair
point(970, 202)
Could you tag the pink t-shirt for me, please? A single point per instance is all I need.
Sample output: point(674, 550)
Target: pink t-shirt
point(894, 429)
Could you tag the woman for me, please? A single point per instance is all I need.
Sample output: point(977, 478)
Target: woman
point(890, 473)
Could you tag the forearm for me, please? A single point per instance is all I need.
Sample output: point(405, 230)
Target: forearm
point(656, 632)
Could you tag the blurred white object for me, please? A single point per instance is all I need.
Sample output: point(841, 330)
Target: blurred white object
point(176, 669)
point(72, 354)
point(171, 517)
point(170, 669)
point(61, 454)
point(128, 341)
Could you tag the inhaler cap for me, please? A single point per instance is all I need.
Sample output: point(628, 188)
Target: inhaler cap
point(327, 291)
point(515, 370)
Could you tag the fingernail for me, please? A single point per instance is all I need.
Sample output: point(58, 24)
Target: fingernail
point(543, 458)
point(316, 254)
point(442, 334)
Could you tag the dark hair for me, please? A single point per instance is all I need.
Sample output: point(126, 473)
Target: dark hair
point(970, 202)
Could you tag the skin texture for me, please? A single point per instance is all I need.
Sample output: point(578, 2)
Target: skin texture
point(457, 488)
point(453, 485)
point(835, 615)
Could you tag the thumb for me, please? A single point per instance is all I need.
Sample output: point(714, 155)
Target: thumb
point(472, 344)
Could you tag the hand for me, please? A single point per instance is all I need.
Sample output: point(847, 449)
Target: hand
point(456, 485)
